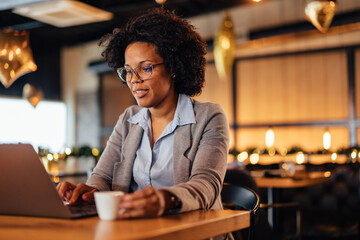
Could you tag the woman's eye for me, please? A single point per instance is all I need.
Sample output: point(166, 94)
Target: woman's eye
point(146, 69)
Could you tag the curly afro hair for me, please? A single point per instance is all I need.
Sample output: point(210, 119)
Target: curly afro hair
point(181, 47)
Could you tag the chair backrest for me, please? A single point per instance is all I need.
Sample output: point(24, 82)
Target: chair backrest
point(241, 177)
point(242, 197)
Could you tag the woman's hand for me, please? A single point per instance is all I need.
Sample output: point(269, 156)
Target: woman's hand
point(76, 193)
point(147, 202)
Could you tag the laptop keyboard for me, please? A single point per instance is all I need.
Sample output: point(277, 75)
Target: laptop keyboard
point(84, 210)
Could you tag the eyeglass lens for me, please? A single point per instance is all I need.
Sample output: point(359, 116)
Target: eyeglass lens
point(143, 72)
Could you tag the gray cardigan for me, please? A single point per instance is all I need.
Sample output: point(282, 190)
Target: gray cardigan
point(200, 156)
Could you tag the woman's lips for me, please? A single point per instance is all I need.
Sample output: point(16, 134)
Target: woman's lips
point(140, 93)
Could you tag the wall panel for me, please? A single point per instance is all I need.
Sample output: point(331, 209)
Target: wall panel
point(295, 88)
point(115, 98)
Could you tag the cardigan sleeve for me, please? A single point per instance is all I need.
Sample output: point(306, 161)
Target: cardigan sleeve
point(207, 160)
point(102, 175)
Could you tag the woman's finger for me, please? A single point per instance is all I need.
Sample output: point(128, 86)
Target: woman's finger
point(89, 196)
point(146, 192)
point(134, 213)
point(64, 188)
point(139, 202)
point(79, 190)
point(145, 203)
point(138, 199)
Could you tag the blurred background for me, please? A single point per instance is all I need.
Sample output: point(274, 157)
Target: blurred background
point(286, 76)
point(287, 73)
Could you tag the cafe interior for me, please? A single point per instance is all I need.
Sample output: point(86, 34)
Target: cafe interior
point(286, 72)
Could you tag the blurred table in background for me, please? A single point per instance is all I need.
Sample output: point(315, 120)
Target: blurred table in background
point(274, 180)
point(298, 180)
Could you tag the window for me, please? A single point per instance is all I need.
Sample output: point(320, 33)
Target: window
point(43, 126)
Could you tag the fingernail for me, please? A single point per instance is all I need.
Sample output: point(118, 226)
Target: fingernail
point(122, 211)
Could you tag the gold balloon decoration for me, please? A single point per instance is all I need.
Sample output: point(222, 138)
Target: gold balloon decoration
point(320, 13)
point(33, 94)
point(15, 56)
point(225, 47)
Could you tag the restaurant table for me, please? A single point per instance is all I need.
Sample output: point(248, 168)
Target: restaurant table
point(303, 179)
point(200, 224)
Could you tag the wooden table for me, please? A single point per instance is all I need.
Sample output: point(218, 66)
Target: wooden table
point(199, 224)
point(303, 179)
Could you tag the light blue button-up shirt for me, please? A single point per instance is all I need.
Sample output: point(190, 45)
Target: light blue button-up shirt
point(155, 166)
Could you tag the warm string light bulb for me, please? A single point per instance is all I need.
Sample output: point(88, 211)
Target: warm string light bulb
point(269, 138)
point(254, 158)
point(300, 158)
point(242, 156)
point(327, 140)
point(353, 154)
point(67, 151)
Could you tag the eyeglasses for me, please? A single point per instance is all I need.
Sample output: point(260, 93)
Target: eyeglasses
point(142, 72)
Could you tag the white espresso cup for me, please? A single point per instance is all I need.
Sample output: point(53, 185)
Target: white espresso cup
point(107, 204)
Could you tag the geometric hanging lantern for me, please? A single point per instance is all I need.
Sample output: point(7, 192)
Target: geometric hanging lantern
point(225, 47)
point(33, 94)
point(320, 13)
point(15, 56)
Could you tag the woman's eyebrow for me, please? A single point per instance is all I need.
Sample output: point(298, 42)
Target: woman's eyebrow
point(139, 62)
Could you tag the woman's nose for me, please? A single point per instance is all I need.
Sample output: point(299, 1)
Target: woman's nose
point(135, 79)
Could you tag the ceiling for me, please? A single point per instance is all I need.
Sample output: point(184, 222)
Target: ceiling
point(122, 10)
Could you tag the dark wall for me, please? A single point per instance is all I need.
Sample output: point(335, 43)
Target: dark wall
point(47, 57)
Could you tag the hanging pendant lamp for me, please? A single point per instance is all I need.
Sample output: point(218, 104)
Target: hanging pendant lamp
point(320, 13)
point(33, 94)
point(224, 47)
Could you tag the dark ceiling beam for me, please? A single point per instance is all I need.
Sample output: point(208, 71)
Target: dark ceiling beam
point(26, 26)
point(122, 9)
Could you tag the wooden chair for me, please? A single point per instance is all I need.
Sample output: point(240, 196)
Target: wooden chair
point(241, 198)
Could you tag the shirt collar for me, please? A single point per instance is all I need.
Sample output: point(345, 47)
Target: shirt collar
point(141, 117)
point(184, 113)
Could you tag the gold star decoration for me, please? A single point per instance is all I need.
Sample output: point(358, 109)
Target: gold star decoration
point(15, 56)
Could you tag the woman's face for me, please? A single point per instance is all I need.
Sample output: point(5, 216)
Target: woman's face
point(156, 91)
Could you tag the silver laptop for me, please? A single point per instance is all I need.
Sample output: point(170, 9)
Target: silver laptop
point(26, 188)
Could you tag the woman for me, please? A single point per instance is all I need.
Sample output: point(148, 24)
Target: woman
point(168, 153)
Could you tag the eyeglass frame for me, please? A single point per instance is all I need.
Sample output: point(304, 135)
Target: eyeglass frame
point(134, 71)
